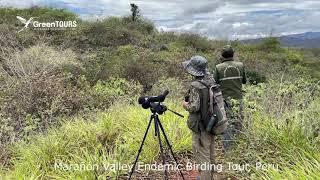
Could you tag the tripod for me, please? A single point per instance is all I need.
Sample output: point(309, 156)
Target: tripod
point(157, 125)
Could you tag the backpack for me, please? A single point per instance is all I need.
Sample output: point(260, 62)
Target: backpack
point(213, 113)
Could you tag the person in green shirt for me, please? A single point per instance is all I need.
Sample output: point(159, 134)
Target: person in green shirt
point(230, 75)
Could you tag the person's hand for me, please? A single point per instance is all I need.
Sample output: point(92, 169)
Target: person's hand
point(185, 104)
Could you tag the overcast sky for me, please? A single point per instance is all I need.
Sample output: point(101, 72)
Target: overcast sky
point(220, 19)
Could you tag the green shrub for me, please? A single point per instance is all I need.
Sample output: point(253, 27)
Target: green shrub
point(112, 32)
point(294, 57)
point(42, 84)
point(196, 41)
point(144, 26)
point(255, 77)
point(175, 86)
point(36, 90)
point(114, 90)
point(107, 63)
point(166, 37)
point(271, 44)
point(145, 67)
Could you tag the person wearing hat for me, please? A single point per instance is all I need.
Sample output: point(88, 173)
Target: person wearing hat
point(230, 75)
point(196, 104)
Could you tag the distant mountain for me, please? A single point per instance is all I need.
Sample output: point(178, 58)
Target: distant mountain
point(305, 40)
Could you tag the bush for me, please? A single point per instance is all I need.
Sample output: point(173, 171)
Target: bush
point(255, 77)
point(271, 44)
point(8, 39)
point(142, 25)
point(294, 57)
point(106, 63)
point(196, 41)
point(42, 84)
point(115, 90)
point(112, 32)
point(36, 90)
point(145, 67)
point(175, 86)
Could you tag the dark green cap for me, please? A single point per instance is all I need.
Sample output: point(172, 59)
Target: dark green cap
point(227, 49)
point(227, 52)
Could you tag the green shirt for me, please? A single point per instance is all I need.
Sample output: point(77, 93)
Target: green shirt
point(230, 75)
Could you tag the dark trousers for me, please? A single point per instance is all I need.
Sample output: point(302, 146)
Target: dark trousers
point(235, 117)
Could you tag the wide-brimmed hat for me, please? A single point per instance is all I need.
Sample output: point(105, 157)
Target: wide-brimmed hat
point(196, 66)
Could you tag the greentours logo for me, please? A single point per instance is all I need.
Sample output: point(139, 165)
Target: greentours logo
point(54, 25)
point(25, 22)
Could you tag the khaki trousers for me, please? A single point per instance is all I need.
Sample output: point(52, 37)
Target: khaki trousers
point(203, 150)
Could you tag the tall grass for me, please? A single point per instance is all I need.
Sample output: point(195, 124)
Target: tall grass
point(114, 137)
point(286, 137)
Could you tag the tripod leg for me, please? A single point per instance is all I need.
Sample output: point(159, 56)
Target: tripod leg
point(170, 147)
point(140, 149)
point(156, 120)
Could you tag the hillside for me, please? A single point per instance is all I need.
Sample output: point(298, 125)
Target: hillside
point(304, 40)
point(69, 98)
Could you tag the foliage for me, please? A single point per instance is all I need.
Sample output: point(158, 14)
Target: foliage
point(111, 32)
point(282, 128)
point(195, 41)
point(135, 12)
point(41, 84)
point(271, 44)
point(114, 137)
point(54, 85)
point(104, 93)
point(35, 90)
point(255, 77)
point(175, 86)
point(277, 132)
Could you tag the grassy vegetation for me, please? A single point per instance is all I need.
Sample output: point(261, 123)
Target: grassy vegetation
point(283, 131)
point(70, 97)
point(110, 137)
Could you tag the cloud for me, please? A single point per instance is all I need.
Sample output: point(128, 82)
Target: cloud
point(221, 19)
point(202, 7)
point(20, 4)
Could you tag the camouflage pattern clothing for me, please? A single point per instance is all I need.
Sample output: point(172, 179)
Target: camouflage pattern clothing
point(194, 100)
point(202, 141)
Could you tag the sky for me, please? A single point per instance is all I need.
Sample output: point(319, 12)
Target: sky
point(217, 19)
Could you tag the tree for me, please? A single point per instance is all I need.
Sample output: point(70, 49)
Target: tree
point(271, 44)
point(135, 12)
